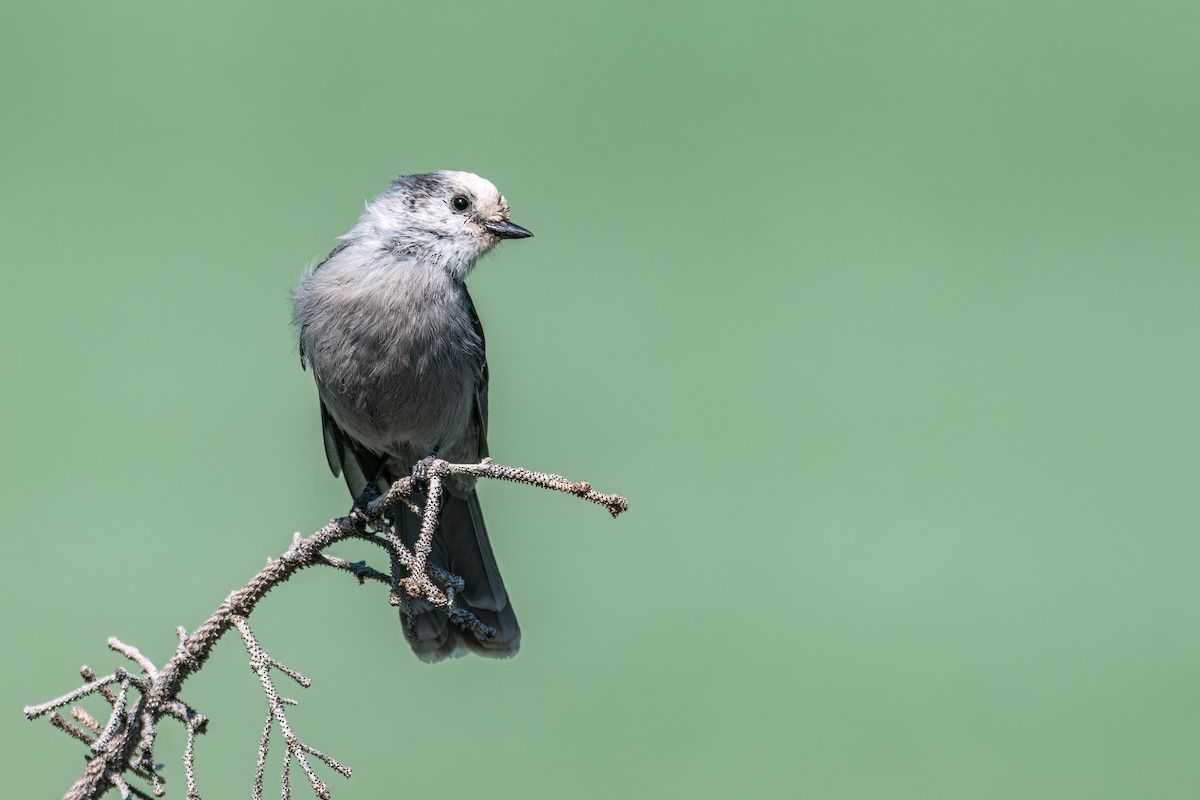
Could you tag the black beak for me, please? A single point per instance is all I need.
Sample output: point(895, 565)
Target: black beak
point(507, 230)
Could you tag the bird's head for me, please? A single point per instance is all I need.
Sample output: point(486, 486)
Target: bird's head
point(447, 218)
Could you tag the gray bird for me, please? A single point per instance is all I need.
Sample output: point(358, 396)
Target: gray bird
point(392, 338)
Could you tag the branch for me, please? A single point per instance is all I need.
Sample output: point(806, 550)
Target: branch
point(261, 662)
point(124, 744)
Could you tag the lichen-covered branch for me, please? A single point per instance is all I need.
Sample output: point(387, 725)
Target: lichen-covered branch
point(124, 744)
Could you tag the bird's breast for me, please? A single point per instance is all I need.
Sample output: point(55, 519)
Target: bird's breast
point(397, 363)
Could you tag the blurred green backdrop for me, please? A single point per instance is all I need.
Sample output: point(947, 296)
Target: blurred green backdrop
point(883, 314)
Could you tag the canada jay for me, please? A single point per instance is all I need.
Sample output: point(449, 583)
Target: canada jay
point(393, 341)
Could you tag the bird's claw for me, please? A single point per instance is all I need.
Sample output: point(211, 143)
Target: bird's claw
point(420, 471)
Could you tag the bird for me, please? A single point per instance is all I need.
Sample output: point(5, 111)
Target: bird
point(397, 351)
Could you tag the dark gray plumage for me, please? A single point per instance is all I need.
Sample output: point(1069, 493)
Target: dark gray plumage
point(395, 345)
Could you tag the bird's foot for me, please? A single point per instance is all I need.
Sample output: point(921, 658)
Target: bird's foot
point(360, 511)
point(420, 471)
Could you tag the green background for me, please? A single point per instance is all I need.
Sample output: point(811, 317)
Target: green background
point(883, 315)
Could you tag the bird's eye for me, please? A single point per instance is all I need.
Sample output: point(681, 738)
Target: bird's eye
point(460, 203)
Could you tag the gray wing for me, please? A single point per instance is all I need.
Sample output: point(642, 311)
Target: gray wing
point(480, 414)
point(346, 456)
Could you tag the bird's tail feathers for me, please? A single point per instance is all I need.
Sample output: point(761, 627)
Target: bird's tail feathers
point(461, 547)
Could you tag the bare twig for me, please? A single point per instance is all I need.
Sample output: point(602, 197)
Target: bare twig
point(60, 722)
point(125, 743)
point(189, 758)
point(358, 569)
point(88, 676)
point(94, 685)
point(262, 662)
point(134, 655)
point(86, 719)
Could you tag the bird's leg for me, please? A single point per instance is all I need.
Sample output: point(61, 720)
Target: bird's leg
point(359, 510)
point(362, 504)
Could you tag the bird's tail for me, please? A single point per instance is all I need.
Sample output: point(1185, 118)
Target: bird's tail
point(461, 547)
